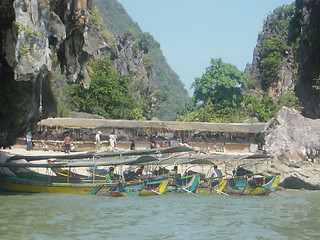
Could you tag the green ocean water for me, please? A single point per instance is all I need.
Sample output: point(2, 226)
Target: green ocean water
point(282, 215)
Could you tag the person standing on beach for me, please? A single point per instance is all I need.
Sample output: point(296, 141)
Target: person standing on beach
point(98, 140)
point(67, 144)
point(112, 140)
point(133, 145)
point(29, 141)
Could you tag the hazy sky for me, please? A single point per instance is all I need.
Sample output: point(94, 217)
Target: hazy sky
point(191, 32)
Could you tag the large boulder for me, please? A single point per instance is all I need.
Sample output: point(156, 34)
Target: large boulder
point(294, 141)
point(293, 137)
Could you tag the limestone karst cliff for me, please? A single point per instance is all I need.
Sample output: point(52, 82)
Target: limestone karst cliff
point(31, 33)
point(39, 38)
point(286, 57)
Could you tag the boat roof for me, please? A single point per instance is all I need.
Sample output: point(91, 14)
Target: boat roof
point(103, 154)
point(145, 159)
point(212, 158)
point(88, 163)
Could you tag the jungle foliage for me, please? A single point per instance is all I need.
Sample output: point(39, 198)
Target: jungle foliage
point(219, 97)
point(109, 94)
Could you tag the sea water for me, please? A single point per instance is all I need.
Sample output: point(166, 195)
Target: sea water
point(281, 215)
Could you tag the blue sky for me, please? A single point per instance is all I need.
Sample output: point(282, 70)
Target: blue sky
point(192, 32)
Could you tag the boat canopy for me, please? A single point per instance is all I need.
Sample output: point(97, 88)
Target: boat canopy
point(209, 159)
point(89, 163)
point(103, 154)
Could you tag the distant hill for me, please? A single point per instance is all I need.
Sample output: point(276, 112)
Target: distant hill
point(117, 21)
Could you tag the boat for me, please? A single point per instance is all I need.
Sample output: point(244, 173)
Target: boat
point(245, 184)
point(115, 189)
point(35, 183)
point(186, 184)
point(250, 185)
point(26, 173)
point(154, 188)
point(16, 184)
point(214, 186)
point(134, 185)
point(151, 185)
point(133, 188)
point(190, 181)
point(119, 189)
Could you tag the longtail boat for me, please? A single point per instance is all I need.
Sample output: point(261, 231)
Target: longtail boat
point(185, 184)
point(240, 185)
point(248, 185)
point(189, 183)
point(15, 184)
point(35, 183)
point(215, 186)
point(154, 188)
point(133, 188)
point(120, 189)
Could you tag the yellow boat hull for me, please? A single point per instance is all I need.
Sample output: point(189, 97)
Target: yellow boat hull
point(160, 190)
point(36, 187)
point(217, 189)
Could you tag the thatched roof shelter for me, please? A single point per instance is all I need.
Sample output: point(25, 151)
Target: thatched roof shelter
point(80, 123)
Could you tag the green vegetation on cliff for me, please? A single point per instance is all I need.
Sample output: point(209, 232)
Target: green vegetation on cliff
point(274, 48)
point(108, 95)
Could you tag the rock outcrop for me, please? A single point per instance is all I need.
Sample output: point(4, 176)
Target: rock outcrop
point(294, 141)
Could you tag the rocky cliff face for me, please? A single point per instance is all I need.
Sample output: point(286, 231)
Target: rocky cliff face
point(32, 33)
point(308, 17)
point(40, 37)
point(298, 26)
point(129, 59)
point(287, 76)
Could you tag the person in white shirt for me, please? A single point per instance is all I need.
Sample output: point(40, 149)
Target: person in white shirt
point(98, 140)
point(112, 141)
